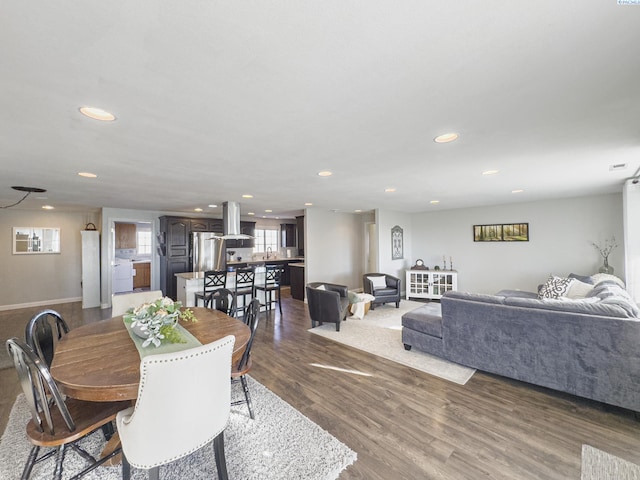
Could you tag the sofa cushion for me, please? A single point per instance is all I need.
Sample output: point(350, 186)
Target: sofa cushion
point(426, 319)
point(474, 297)
point(517, 293)
point(585, 306)
point(555, 287)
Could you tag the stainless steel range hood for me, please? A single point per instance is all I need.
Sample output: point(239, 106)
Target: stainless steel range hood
point(231, 221)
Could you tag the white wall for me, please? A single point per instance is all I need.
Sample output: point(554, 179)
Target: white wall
point(561, 232)
point(334, 247)
point(32, 280)
point(385, 221)
point(631, 195)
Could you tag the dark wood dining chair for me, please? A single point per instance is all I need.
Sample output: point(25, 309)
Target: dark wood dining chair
point(244, 287)
point(183, 404)
point(242, 368)
point(224, 300)
point(213, 280)
point(55, 421)
point(271, 286)
point(40, 335)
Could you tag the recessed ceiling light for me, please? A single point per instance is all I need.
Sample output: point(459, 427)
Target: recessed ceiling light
point(246, 195)
point(308, 204)
point(358, 211)
point(490, 172)
point(519, 190)
point(434, 202)
point(325, 173)
point(390, 189)
point(197, 209)
point(268, 211)
point(446, 137)
point(97, 114)
point(212, 206)
point(250, 213)
point(87, 174)
point(47, 207)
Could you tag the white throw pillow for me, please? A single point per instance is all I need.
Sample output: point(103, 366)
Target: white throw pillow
point(601, 277)
point(555, 287)
point(320, 287)
point(378, 281)
point(579, 289)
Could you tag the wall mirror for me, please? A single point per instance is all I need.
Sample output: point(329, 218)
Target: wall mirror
point(36, 240)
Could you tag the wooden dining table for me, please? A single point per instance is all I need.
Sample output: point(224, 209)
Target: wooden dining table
point(100, 362)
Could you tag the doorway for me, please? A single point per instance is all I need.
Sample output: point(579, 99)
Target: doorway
point(370, 248)
point(132, 257)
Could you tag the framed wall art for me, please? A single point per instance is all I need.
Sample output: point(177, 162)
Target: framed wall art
point(501, 232)
point(397, 247)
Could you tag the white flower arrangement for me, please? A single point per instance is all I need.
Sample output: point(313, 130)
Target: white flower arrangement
point(156, 321)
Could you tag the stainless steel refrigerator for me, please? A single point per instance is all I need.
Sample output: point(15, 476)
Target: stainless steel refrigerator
point(207, 252)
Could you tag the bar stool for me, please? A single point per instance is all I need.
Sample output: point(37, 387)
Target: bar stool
point(272, 276)
point(213, 281)
point(245, 281)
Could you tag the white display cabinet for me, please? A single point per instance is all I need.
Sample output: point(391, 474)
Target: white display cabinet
point(430, 284)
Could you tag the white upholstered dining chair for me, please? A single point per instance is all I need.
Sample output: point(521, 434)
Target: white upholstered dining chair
point(184, 402)
point(122, 302)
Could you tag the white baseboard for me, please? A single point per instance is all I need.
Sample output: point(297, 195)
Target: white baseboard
point(41, 303)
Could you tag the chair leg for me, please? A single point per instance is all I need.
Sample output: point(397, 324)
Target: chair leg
point(279, 302)
point(247, 396)
point(33, 454)
point(57, 473)
point(126, 468)
point(221, 462)
point(154, 473)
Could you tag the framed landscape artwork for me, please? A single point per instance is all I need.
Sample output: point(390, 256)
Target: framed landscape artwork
point(501, 232)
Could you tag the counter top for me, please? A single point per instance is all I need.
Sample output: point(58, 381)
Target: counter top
point(301, 264)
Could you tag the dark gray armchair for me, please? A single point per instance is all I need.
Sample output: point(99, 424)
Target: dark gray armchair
point(385, 291)
point(328, 303)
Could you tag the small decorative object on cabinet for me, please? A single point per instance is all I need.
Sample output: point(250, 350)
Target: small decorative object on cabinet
point(430, 284)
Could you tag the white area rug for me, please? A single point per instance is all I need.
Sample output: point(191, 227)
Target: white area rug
point(280, 443)
point(599, 465)
point(380, 333)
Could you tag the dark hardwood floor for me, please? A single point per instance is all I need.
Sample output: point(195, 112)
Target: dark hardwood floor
point(405, 424)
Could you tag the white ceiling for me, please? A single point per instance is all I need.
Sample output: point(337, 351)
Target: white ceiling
point(215, 99)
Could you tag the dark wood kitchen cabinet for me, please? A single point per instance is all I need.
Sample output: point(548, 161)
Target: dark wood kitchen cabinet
point(300, 234)
point(288, 234)
point(173, 247)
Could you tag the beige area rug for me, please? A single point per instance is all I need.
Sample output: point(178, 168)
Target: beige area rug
point(599, 465)
point(380, 333)
point(280, 444)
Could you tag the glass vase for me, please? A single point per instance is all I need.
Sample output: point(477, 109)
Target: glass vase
point(606, 268)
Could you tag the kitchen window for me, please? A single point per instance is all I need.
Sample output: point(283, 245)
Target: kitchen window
point(265, 238)
point(144, 242)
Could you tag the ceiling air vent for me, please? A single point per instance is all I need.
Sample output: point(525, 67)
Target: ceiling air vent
point(617, 166)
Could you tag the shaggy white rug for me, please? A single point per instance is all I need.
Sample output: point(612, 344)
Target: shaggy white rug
point(280, 443)
point(599, 465)
point(380, 333)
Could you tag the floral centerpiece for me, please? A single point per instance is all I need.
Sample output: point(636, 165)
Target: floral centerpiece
point(156, 321)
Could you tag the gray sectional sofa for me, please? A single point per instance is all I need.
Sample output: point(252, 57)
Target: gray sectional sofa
point(587, 346)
